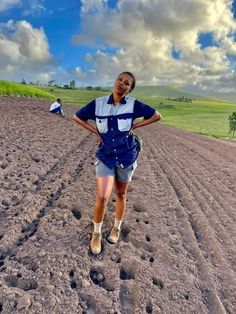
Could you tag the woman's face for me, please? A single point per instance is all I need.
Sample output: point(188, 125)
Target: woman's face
point(123, 84)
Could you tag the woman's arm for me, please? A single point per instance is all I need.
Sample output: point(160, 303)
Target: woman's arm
point(156, 117)
point(87, 126)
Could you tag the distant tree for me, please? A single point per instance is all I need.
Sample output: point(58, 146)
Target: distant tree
point(89, 88)
point(232, 123)
point(23, 81)
point(72, 84)
point(98, 88)
point(51, 82)
point(66, 86)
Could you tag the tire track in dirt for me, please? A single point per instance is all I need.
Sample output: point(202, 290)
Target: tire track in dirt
point(205, 238)
point(212, 210)
point(217, 166)
point(212, 145)
point(213, 203)
point(208, 245)
point(219, 214)
point(66, 171)
point(210, 295)
point(159, 222)
point(214, 167)
point(196, 188)
point(158, 179)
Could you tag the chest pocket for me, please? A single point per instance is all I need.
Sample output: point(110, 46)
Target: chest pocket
point(124, 124)
point(102, 125)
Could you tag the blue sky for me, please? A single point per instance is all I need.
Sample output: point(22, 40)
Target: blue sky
point(187, 44)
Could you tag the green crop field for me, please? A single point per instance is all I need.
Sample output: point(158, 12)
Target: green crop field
point(201, 115)
point(204, 116)
point(11, 88)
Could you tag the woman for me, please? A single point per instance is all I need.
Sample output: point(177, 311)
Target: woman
point(117, 152)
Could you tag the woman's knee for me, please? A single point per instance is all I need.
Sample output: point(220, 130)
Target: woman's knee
point(102, 198)
point(121, 194)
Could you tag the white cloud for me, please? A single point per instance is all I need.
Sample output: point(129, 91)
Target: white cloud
point(35, 7)
point(24, 50)
point(92, 5)
point(31, 7)
point(143, 34)
point(8, 4)
point(32, 42)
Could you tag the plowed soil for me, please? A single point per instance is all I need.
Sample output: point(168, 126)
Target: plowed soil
point(177, 250)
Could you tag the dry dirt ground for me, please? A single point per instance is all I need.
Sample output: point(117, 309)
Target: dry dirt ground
point(178, 245)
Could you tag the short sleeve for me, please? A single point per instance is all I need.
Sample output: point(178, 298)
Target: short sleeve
point(142, 110)
point(87, 112)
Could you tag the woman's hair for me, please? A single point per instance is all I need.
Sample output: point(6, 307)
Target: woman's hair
point(133, 79)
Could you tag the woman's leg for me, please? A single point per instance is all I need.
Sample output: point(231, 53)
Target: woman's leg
point(103, 192)
point(121, 193)
point(122, 180)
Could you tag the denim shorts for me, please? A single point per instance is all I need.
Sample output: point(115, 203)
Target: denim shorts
point(121, 174)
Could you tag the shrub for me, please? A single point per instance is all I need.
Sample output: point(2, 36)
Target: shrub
point(232, 123)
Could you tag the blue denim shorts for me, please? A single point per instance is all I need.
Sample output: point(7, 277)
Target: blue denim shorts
point(121, 174)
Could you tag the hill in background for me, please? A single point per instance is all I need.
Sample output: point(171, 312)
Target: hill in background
point(163, 92)
point(226, 96)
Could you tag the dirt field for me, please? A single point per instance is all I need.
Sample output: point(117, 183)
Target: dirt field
point(177, 251)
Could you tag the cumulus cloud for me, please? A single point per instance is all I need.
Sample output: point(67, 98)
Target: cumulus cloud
point(8, 4)
point(144, 33)
point(92, 5)
point(35, 7)
point(23, 49)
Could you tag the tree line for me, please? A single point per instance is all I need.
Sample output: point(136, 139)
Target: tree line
point(180, 98)
point(71, 85)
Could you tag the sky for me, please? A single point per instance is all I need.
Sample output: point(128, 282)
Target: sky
point(182, 43)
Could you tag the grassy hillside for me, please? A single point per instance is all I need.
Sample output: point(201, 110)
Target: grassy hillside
point(73, 96)
point(202, 115)
point(209, 117)
point(11, 88)
point(162, 92)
